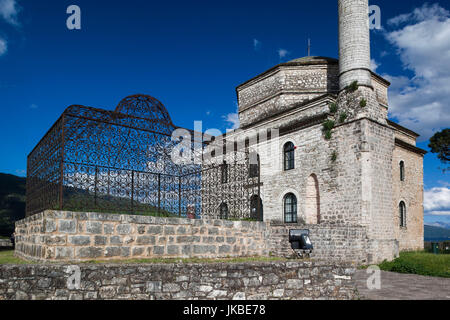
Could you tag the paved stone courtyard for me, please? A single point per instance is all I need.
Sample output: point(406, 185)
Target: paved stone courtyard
point(396, 286)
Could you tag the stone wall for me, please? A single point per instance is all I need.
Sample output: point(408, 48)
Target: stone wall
point(243, 281)
point(69, 236)
point(5, 243)
point(72, 236)
point(285, 85)
point(332, 243)
point(411, 192)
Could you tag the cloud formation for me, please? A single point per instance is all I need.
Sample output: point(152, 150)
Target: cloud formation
point(437, 201)
point(422, 40)
point(374, 65)
point(3, 46)
point(9, 10)
point(282, 53)
point(256, 44)
point(233, 120)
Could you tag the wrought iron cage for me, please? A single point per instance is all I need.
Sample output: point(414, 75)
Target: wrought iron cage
point(120, 162)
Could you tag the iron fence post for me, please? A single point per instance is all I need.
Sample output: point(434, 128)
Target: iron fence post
point(132, 191)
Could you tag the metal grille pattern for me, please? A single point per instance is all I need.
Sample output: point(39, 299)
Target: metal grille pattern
point(119, 162)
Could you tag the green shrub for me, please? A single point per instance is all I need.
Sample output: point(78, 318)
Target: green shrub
point(363, 103)
point(352, 87)
point(328, 125)
point(333, 107)
point(343, 116)
point(334, 156)
point(421, 263)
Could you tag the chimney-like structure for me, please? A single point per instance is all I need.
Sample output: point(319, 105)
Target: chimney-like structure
point(354, 43)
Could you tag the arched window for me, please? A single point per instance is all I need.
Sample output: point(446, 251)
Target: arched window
point(289, 156)
point(402, 212)
point(223, 211)
point(224, 173)
point(402, 171)
point(256, 208)
point(290, 208)
point(254, 165)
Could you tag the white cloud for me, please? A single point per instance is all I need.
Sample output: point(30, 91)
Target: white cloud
point(437, 201)
point(283, 53)
point(3, 46)
point(233, 120)
point(34, 106)
point(438, 213)
point(426, 12)
point(256, 44)
point(9, 10)
point(421, 102)
point(374, 65)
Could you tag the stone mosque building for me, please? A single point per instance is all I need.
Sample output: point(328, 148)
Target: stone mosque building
point(340, 161)
point(325, 157)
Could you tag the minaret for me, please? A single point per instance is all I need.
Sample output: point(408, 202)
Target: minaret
point(354, 43)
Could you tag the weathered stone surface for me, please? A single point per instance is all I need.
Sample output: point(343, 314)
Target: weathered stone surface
point(94, 227)
point(67, 226)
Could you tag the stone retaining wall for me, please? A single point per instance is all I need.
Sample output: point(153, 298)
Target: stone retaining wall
point(242, 281)
point(71, 236)
point(4, 243)
point(336, 243)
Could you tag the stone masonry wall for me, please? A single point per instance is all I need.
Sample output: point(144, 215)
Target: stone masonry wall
point(335, 243)
point(282, 88)
point(294, 280)
point(411, 192)
point(67, 236)
point(71, 236)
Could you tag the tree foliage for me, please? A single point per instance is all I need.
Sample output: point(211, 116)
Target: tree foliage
point(440, 144)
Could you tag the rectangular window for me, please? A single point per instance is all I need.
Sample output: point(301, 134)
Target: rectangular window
point(224, 173)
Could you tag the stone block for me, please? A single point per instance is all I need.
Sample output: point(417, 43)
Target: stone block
point(124, 229)
point(154, 286)
point(64, 253)
point(66, 226)
point(50, 225)
point(142, 240)
point(112, 252)
point(108, 228)
point(80, 240)
point(100, 240)
point(89, 252)
point(173, 250)
point(94, 227)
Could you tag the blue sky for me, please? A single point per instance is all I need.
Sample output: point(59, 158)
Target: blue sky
point(192, 54)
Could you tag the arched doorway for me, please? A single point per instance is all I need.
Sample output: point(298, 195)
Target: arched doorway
point(312, 200)
point(223, 211)
point(256, 208)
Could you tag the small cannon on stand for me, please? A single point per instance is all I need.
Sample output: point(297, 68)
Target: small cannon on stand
point(300, 243)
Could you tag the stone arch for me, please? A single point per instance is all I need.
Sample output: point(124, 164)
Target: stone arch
point(312, 204)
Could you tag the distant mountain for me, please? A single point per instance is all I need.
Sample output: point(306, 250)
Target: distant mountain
point(12, 202)
point(439, 224)
point(436, 233)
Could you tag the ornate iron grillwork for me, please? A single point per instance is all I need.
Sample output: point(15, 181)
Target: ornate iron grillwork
point(119, 162)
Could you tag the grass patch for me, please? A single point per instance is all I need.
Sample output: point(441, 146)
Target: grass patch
point(421, 263)
point(7, 257)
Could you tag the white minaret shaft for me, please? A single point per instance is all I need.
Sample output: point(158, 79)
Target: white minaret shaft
point(354, 43)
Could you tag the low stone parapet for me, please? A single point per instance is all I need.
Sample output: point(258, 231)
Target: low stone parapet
point(5, 243)
point(233, 281)
point(74, 236)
